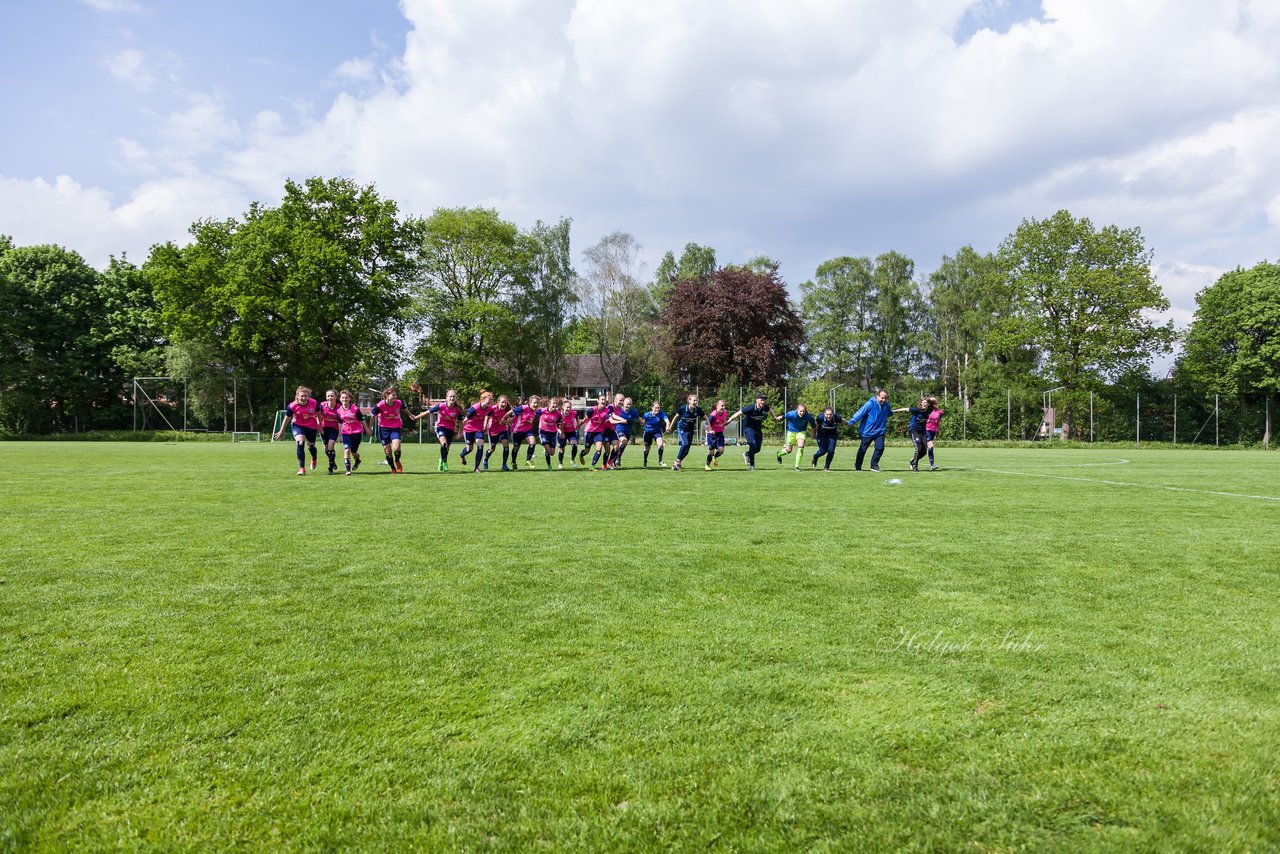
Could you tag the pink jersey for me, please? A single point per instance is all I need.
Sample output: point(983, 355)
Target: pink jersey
point(501, 421)
point(389, 413)
point(715, 421)
point(569, 421)
point(598, 418)
point(548, 420)
point(475, 418)
point(328, 416)
point(305, 414)
point(350, 418)
point(931, 424)
point(447, 416)
point(524, 421)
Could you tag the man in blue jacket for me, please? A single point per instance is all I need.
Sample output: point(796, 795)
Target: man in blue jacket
point(872, 421)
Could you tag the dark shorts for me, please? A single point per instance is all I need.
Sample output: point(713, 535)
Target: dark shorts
point(494, 438)
point(329, 434)
point(444, 434)
point(715, 440)
point(931, 435)
point(521, 436)
point(591, 438)
point(389, 434)
point(473, 436)
point(624, 433)
point(568, 439)
point(609, 435)
point(550, 437)
point(351, 441)
point(650, 436)
point(308, 432)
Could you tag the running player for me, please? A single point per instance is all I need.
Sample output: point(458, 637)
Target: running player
point(499, 431)
point(917, 429)
point(389, 412)
point(798, 422)
point(827, 430)
point(447, 413)
point(753, 417)
point(522, 431)
point(715, 434)
point(597, 431)
point(329, 428)
point(475, 427)
point(931, 426)
point(688, 414)
point(569, 434)
point(655, 424)
point(624, 413)
point(302, 414)
point(351, 428)
point(549, 430)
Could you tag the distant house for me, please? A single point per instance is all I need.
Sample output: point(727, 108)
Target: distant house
point(584, 376)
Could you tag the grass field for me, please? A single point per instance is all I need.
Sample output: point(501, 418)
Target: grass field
point(1029, 649)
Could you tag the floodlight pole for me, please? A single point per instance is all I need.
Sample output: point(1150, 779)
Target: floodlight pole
point(235, 406)
point(1008, 416)
point(1137, 420)
point(1215, 420)
point(1175, 420)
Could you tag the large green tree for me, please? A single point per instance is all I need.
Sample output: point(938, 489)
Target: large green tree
point(1081, 300)
point(315, 289)
point(1233, 345)
point(472, 263)
point(616, 307)
point(542, 307)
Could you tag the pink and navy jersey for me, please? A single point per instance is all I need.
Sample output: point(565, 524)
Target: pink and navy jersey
point(388, 412)
point(447, 416)
point(328, 416)
point(350, 419)
point(715, 421)
point(548, 420)
point(934, 420)
point(598, 418)
point(475, 418)
point(524, 419)
point(305, 414)
point(569, 421)
point(501, 421)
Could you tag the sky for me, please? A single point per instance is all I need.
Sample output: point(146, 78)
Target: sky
point(802, 130)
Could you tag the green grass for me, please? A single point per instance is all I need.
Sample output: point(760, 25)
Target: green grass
point(200, 649)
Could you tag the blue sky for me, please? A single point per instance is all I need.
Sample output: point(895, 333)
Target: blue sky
point(802, 130)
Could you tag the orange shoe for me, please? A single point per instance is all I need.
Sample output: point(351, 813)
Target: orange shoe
point(399, 467)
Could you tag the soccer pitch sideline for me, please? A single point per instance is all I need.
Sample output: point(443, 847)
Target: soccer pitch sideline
point(1028, 649)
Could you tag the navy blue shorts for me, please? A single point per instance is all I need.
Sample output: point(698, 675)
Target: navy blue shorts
point(389, 434)
point(445, 435)
point(568, 439)
point(650, 436)
point(931, 435)
point(715, 440)
point(351, 441)
point(624, 433)
point(330, 434)
point(309, 432)
point(521, 436)
point(591, 438)
point(609, 435)
point(473, 436)
point(550, 437)
point(495, 438)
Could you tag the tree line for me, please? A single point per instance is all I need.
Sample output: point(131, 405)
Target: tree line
point(334, 285)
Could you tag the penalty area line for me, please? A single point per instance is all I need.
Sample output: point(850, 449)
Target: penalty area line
point(1133, 485)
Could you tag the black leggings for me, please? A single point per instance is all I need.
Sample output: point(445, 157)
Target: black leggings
point(921, 443)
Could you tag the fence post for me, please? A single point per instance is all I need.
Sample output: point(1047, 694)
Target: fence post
point(1215, 420)
point(1091, 417)
point(1008, 416)
point(1137, 420)
point(1175, 420)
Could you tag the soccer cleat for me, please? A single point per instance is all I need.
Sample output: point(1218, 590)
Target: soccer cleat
point(463, 457)
point(399, 467)
point(559, 467)
point(504, 468)
point(779, 457)
point(313, 463)
point(746, 458)
point(933, 468)
point(716, 462)
point(357, 465)
point(528, 464)
point(348, 472)
point(876, 469)
point(797, 468)
point(706, 468)
point(661, 464)
point(440, 465)
point(676, 467)
point(751, 468)
point(572, 463)
point(915, 467)
point(301, 470)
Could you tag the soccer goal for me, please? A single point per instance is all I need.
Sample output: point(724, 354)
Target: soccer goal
point(246, 436)
point(281, 415)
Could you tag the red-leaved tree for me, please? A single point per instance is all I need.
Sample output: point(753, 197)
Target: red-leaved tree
point(733, 322)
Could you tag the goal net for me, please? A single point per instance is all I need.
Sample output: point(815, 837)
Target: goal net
point(246, 436)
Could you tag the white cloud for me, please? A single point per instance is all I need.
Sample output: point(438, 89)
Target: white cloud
point(114, 5)
point(130, 65)
point(355, 69)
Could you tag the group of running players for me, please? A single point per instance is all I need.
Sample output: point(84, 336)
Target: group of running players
point(553, 424)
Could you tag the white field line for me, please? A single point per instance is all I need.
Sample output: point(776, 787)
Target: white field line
point(1134, 485)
